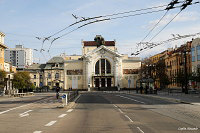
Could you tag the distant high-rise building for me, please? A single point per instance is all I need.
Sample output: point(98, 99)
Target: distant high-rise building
point(19, 56)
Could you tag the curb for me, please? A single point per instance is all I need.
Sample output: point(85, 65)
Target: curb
point(169, 99)
point(70, 104)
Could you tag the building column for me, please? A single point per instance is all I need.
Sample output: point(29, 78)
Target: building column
point(116, 78)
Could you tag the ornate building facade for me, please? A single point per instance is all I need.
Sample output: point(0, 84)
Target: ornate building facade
point(100, 65)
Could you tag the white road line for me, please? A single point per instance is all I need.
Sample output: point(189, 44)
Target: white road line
point(128, 118)
point(13, 109)
point(26, 112)
point(50, 123)
point(24, 115)
point(115, 105)
point(70, 110)
point(131, 99)
point(37, 131)
point(63, 115)
point(120, 111)
point(140, 130)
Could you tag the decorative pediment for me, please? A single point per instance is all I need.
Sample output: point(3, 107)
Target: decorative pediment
point(102, 50)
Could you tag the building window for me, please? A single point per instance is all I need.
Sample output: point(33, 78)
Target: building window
point(41, 84)
point(102, 67)
point(35, 83)
point(108, 67)
point(97, 67)
point(49, 75)
point(34, 76)
point(193, 54)
point(57, 76)
point(49, 83)
point(40, 76)
point(198, 53)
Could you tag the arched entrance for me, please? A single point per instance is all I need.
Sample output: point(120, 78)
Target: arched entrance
point(102, 77)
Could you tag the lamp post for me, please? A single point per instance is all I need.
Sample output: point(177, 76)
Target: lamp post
point(185, 74)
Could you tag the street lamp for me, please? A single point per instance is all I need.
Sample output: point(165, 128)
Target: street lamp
point(185, 68)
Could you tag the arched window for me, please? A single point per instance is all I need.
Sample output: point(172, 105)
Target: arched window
point(102, 66)
point(57, 76)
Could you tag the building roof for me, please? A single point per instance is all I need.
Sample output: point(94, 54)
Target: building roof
point(56, 59)
point(93, 43)
point(36, 66)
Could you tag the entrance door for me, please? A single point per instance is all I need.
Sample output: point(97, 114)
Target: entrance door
point(74, 82)
point(103, 82)
point(96, 82)
point(108, 82)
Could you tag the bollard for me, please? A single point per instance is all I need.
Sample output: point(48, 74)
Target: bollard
point(64, 99)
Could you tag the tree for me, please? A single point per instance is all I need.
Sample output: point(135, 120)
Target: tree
point(161, 76)
point(22, 81)
point(2, 78)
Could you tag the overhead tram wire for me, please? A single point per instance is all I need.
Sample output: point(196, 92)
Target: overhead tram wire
point(152, 45)
point(112, 18)
point(165, 26)
point(73, 31)
point(169, 7)
point(103, 20)
point(183, 6)
point(102, 16)
point(91, 18)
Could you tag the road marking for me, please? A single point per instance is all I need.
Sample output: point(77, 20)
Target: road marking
point(13, 109)
point(115, 105)
point(120, 111)
point(63, 115)
point(140, 130)
point(128, 118)
point(25, 113)
point(50, 123)
point(131, 99)
point(37, 131)
point(70, 110)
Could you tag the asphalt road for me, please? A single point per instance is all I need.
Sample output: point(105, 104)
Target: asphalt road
point(96, 112)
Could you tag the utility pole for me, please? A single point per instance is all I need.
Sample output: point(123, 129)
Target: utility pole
point(186, 75)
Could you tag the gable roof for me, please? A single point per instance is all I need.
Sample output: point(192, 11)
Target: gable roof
point(56, 59)
point(36, 67)
point(93, 43)
point(100, 48)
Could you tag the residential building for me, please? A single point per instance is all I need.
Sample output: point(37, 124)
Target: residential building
point(175, 63)
point(195, 53)
point(154, 61)
point(100, 65)
point(2, 48)
point(7, 67)
point(19, 56)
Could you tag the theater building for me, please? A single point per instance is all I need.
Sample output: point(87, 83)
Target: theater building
point(100, 65)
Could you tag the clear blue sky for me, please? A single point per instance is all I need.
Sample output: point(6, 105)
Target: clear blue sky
point(22, 20)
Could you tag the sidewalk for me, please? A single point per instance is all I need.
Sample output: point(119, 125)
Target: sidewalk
point(193, 99)
point(181, 97)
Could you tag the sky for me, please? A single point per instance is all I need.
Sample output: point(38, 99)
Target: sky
point(24, 20)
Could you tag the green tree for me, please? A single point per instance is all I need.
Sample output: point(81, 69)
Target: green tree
point(22, 80)
point(2, 78)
